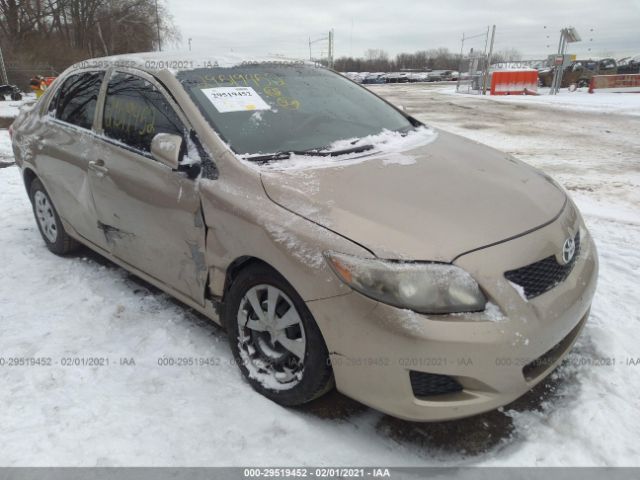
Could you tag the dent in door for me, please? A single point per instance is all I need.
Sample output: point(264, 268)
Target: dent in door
point(152, 219)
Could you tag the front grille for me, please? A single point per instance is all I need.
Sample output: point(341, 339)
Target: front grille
point(540, 277)
point(429, 384)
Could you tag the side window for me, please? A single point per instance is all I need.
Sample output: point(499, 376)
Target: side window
point(75, 101)
point(135, 111)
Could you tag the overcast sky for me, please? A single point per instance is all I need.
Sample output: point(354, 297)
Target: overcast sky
point(277, 26)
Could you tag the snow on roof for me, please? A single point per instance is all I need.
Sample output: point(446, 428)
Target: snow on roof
point(178, 61)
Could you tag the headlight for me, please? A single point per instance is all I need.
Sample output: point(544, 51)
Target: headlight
point(419, 286)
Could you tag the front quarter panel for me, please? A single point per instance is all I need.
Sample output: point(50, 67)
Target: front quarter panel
point(243, 222)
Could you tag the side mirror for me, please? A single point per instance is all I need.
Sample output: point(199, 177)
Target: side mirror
point(167, 149)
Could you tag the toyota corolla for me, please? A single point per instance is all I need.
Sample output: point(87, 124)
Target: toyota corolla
point(338, 240)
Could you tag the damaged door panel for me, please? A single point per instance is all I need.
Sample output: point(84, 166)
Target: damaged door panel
point(151, 218)
point(150, 215)
point(65, 146)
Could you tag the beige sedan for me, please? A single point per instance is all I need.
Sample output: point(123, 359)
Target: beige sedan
point(338, 240)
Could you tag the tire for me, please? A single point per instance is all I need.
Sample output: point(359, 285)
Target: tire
point(270, 368)
point(16, 97)
point(48, 221)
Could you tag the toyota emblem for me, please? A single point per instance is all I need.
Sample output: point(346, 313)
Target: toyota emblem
point(568, 250)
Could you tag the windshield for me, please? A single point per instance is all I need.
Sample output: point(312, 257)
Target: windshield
point(271, 108)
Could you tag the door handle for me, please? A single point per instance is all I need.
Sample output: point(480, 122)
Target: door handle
point(98, 167)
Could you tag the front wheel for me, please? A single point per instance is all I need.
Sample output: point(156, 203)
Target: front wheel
point(274, 338)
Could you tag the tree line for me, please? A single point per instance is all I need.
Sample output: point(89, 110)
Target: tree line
point(378, 60)
point(61, 32)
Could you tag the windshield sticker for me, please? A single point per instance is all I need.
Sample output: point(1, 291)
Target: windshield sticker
point(235, 99)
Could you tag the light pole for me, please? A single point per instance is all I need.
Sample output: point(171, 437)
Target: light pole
point(567, 35)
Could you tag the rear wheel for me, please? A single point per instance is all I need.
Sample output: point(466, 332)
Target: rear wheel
point(48, 221)
point(274, 338)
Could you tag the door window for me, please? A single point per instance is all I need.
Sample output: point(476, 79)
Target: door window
point(75, 102)
point(135, 111)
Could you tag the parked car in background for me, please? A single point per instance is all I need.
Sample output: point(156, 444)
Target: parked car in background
point(579, 72)
point(397, 77)
point(416, 77)
point(11, 92)
point(629, 65)
point(374, 78)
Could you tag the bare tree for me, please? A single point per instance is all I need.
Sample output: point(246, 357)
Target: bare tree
point(61, 32)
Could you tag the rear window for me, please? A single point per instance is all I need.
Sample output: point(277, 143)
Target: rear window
point(269, 108)
point(76, 100)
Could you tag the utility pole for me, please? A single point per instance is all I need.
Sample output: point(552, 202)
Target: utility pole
point(488, 65)
point(310, 55)
point(330, 55)
point(158, 27)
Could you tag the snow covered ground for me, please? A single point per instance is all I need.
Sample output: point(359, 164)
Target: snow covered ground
point(579, 100)
point(63, 309)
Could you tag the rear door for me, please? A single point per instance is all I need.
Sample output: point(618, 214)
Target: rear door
point(65, 146)
point(150, 216)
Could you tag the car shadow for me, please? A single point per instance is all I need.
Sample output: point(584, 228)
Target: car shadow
point(470, 437)
point(141, 287)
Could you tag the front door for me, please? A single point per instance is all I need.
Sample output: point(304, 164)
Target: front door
point(150, 215)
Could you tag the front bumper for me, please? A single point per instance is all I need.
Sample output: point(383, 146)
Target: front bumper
point(497, 359)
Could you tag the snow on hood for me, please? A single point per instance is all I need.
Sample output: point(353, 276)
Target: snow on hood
point(393, 147)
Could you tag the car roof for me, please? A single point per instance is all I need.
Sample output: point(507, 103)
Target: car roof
point(179, 61)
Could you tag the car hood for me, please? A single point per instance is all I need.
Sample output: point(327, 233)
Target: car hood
point(434, 202)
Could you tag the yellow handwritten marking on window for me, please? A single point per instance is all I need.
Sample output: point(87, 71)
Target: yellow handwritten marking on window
point(241, 79)
point(272, 91)
point(288, 103)
point(128, 116)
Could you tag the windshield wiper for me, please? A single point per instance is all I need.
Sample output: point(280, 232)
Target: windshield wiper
point(313, 152)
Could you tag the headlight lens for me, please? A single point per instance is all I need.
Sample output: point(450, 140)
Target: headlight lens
point(419, 286)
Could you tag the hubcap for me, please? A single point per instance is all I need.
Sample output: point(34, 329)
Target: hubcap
point(271, 337)
point(45, 216)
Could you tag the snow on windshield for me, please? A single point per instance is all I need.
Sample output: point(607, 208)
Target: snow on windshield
point(392, 147)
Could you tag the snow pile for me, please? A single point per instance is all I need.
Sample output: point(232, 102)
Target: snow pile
point(6, 152)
